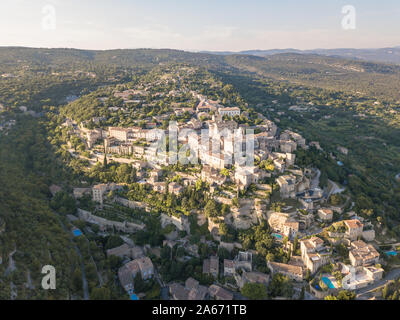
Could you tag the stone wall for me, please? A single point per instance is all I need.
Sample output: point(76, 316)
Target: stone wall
point(132, 204)
point(124, 226)
point(368, 235)
point(223, 200)
point(230, 246)
point(182, 223)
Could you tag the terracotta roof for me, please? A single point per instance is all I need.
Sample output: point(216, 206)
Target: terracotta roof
point(293, 225)
point(362, 251)
point(326, 211)
point(353, 224)
point(312, 243)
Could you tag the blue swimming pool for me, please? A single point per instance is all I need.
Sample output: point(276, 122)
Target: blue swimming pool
point(134, 297)
point(277, 235)
point(391, 253)
point(77, 232)
point(328, 282)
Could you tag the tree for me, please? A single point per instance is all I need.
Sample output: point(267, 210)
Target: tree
point(180, 252)
point(281, 286)
point(63, 203)
point(295, 243)
point(346, 295)
point(267, 165)
point(335, 199)
point(302, 293)
point(133, 175)
point(270, 257)
point(224, 209)
point(385, 291)
point(114, 262)
point(254, 291)
point(342, 251)
point(139, 283)
point(100, 294)
point(276, 206)
point(165, 253)
point(105, 165)
point(223, 253)
point(211, 209)
point(154, 292)
point(225, 172)
point(223, 229)
point(113, 242)
point(77, 280)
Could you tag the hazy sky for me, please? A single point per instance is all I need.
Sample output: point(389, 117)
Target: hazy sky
point(198, 25)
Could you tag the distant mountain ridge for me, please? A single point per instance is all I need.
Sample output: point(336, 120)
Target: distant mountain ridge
point(386, 55)
point(350, 74)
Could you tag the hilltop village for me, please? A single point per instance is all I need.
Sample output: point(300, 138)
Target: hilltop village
point(214, 229)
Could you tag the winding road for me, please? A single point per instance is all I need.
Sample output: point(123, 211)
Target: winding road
point(315, 180)
point(335, 189)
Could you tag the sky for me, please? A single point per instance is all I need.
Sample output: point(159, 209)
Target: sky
point(201, 25)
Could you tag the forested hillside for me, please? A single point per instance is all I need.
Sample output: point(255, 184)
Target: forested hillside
point(384, 55)
point(36, 230)
point(368, 78)
point(32, 228)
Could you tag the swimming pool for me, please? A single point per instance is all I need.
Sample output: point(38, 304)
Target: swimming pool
point(134, 297)
point(77, 232)
point(391, 253)
point(277, 235)
point(328, 282)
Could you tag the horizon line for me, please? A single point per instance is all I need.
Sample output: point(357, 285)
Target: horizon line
point(201, 51)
